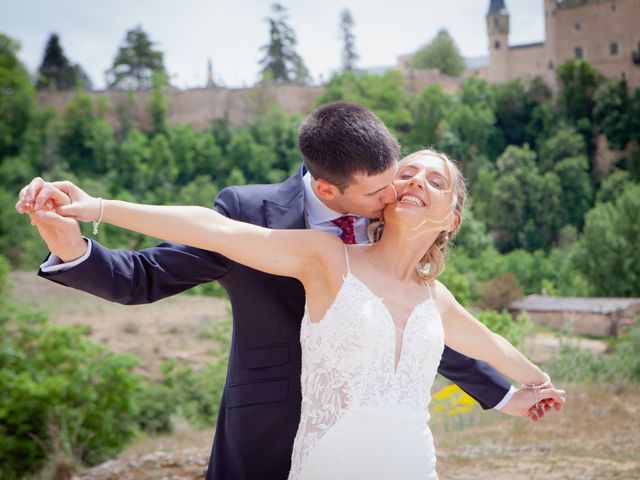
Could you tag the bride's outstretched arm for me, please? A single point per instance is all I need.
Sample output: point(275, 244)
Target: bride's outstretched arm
point(469, 336)
point(294, 253)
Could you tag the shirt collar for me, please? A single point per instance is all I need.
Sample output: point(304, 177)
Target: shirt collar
point(317, 211)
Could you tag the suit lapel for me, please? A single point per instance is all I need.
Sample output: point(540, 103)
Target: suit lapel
point(286, 209)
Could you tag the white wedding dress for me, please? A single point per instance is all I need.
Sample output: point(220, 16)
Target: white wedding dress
point(363, 416)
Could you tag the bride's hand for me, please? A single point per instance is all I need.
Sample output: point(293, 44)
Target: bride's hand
point(523, 402)
point(50, 200)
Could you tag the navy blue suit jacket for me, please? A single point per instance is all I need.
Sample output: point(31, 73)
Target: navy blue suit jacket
point(260, 407)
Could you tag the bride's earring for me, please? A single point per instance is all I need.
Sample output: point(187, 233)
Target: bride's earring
point(424, 268)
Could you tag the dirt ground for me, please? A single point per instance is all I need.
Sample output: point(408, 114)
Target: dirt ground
point(597, 436)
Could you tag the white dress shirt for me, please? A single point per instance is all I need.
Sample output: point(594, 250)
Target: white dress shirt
point(319, 217)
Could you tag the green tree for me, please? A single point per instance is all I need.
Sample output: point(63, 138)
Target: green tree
point(349, 55)
point(132, 162)
point(161, 168)
point(611, 112)
point(428, 110)
point(201, 191)
point(281, 63)
point(577, 192)
point(607, 251)
point(77, 135)
point(135, 63)
point(469, 127)
point(474, 127)
point(473, 236)
point(545, 213)
point(513, 104)
point(159, 106)
point(56, 72)
point(564, 143)
point(17, 101)
point(577, 80)
point(441, 53)
point(384, 94)
point(526, 208)
point(612, 185)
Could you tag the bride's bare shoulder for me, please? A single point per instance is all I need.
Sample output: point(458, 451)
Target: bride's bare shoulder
point(442, 296)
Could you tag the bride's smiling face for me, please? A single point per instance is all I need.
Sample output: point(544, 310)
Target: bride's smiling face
point(426, 190)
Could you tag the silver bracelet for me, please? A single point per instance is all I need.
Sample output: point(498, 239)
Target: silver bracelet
point(96, 224)
point(536, 387)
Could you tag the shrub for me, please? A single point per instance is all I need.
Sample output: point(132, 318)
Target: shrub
point(503, 324)
point(498, 293)
point(59, 391)
point(620, 363)
point(198, 394)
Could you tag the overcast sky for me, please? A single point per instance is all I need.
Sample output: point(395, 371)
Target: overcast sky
point(232, 32)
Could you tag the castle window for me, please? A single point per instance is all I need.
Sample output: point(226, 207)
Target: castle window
point(578, 53)
point(496, 22)
point(613, 7)
point(613, 49)
point(497, 45)
point(578, 26)
point(550, 64)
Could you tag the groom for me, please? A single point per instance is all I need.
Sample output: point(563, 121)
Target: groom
point(349, 164)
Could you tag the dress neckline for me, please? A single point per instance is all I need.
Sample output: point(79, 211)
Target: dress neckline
point(398, 352)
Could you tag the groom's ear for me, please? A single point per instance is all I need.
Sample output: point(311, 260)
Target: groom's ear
point(326, 190)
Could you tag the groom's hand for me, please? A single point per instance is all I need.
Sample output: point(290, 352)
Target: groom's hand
point(523, 403)
point(62, 235)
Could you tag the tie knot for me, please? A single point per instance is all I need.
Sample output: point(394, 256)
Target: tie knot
point(347, 224)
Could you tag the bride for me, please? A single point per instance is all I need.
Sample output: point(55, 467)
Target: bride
point(376, 317)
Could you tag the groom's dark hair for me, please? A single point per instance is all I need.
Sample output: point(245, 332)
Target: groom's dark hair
point(340, 139)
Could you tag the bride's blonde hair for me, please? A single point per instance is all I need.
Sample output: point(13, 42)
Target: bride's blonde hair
point(431, 265)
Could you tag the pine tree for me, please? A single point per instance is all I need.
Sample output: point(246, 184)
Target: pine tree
point(349, 55)
point(135, 63)
point(281, 63)
point(56, 71)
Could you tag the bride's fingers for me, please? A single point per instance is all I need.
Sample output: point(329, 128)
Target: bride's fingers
point(32, 189)
point(551, 395)
point(21, 207)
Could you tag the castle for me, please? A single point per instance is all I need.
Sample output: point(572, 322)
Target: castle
point(606, 33)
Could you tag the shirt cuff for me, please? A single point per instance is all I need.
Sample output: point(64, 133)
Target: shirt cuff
point(53, 264)
point(506, 398)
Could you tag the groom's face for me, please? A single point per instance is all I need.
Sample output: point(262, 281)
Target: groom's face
point(367, 195)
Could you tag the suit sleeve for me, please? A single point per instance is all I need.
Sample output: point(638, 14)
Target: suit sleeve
point(148, 275)
point(477, 378)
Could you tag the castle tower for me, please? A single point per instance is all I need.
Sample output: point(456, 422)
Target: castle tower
point(498, 31)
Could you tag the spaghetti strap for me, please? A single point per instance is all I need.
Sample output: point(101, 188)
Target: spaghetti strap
point(346, 257)
point(426, 284)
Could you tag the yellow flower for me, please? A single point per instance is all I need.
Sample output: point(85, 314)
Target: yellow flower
point(446, 392)
point(459, 411)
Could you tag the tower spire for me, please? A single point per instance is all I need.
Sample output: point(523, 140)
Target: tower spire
point(210, 83)
point(497, 6)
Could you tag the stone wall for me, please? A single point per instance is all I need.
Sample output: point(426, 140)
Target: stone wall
point(198, 107)
point(586, 323)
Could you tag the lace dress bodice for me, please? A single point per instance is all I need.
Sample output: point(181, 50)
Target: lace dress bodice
point(349, 365)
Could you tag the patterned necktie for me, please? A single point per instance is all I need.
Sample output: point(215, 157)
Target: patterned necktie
point(347, 224)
